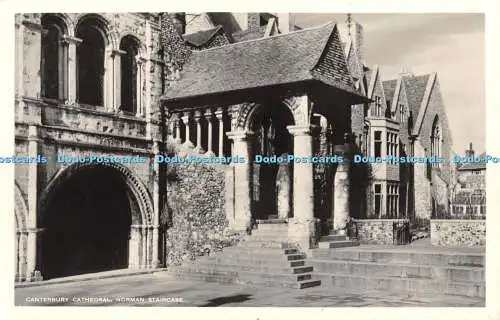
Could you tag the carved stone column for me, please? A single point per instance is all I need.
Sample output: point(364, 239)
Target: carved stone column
point(177, 128)
point(208, 117)
point(220, 116)
point(31, 258)
point(197, 119)
point(134, 248)
point(242, 181)
point(186, 120)
point(155, 259)
point(140, 61)
point(302, 228)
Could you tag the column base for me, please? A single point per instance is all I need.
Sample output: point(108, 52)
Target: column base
point(188, 145)
point(34, 276)
point(199, 150)
point(210, 153)
point(303, 232)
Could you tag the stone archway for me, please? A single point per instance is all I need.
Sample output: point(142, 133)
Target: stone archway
point(272, 182)
point(96, 217)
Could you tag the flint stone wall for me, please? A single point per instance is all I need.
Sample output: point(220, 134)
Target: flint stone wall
point(458, 233)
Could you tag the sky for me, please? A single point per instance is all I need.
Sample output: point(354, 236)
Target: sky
point(450, 44)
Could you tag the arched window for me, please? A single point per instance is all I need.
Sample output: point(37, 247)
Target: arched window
point(90, 61)
point(129, 74)
point(54, 56)
point(436, 140)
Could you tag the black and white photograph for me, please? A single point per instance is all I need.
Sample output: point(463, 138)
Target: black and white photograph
point(249, 159)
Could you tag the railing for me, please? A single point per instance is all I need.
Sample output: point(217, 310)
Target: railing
point(401, 234)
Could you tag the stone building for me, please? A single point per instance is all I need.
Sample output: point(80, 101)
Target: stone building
point(469, 196)
point(93, 86)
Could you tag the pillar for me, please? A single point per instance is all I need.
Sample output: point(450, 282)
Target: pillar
point(71, 84)
point(32, 273)
point(177, 128)
point(284, 186)
point(197, 119)
point(341, 198)
point(302, 228)
point(19, 69)
point(185, 119)
point(155, 259)
point(144, 243)
point(242, 181)
point(139, 78)
point(208, 117)
point(220, 116)
point(134, 248)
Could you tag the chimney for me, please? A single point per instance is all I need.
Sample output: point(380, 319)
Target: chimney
point(353, 31)
point(285, 22)
point(253, 20)
point(470, 152)
point(179, 20)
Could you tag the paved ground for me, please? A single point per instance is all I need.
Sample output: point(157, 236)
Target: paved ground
point(160, 289)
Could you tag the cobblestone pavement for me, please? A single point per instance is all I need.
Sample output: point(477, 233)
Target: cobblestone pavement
point(162, 290)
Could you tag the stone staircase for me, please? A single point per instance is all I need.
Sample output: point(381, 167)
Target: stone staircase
point(333, 241)
point(264, 258)
point(400, 271)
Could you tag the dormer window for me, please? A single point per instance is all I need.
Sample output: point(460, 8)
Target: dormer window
point(377, 112)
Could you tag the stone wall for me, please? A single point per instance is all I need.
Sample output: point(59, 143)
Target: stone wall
point(458, 233)
point(197, 223)
point(375, 231)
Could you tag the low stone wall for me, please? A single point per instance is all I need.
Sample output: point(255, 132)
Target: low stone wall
point(458, 233)
point(197, 224)
point(375, 231)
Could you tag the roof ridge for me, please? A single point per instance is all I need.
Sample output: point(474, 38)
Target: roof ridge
point(270, 37)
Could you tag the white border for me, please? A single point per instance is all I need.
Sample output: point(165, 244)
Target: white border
point(492, 10)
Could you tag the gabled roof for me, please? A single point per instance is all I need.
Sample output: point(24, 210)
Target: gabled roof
point(389, 90)
point(309, 54)
point(200, 38)
point(415, 88)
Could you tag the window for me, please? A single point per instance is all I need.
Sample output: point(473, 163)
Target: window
point(392, 144)
point(392, 200)
point(53, 59)
point(436, 141)
point(129, 74)
point(378, 200)
point(377, 112)
point(90, 61)
point(378, 144)
point(402, 113)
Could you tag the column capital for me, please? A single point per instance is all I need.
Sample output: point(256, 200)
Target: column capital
point(239, 135)
point(115, 52)
point(197, 115)
point(65, 39)
point(140, 59)
point(303, 130)
point(219, 113)
point(208, 113)
point(185, 117)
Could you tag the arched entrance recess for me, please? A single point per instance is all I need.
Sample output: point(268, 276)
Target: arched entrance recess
point(95, 218)
point(272, 188)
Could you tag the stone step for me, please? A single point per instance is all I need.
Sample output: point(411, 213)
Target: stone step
point(396, 285)
point(267, 254)
point(270, 237)
point(244, 275)
point(255, 248)
point(224, 278)
point(338, 244)
point(463, 274)
point(275, 221)
point(270, 231)
point(332, 237)
point(263, 244)
point(412, 257)
point(255, 261)
point(283, 269)
point(248, 274)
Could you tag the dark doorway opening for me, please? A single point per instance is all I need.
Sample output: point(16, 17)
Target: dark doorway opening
point(87, 224)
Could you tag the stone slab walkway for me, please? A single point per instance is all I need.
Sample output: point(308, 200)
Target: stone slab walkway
point(160, 289)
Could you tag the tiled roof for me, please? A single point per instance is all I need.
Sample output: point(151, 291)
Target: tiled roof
point(249, 34)
point(389, 89)
point(473, 165)
point(415, 89)
point(199, 38)
point(312, 54)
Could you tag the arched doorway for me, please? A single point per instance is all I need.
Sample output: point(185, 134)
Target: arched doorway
point(272, 181)
point(87, 215)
